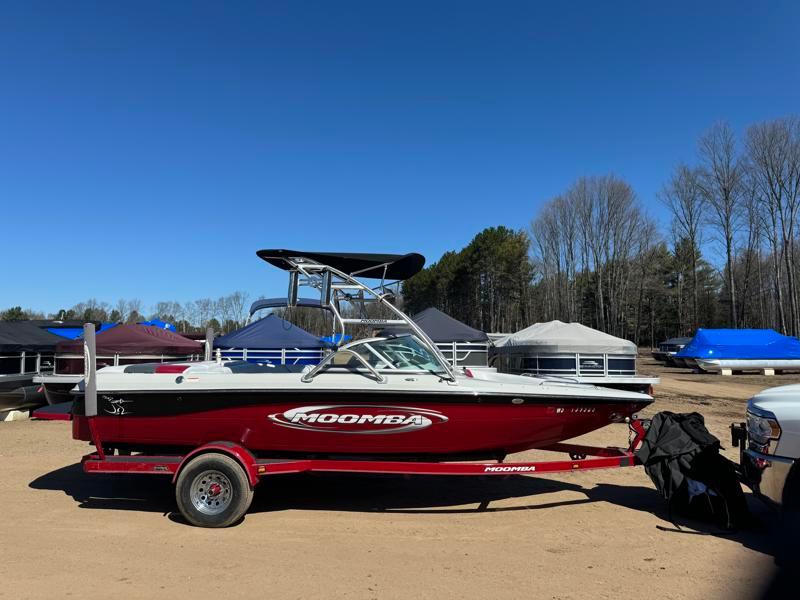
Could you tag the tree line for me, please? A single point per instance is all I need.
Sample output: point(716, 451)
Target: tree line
point(594, 255)
point(223, 314)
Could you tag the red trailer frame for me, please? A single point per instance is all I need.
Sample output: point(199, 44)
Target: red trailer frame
point(581, 458)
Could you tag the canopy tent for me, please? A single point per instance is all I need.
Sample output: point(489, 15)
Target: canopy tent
point(25, 337)
point(441, 327)
point(741, 344)
point(136, 339)
point(460, 344)
point(559, 337)
point(269, 332)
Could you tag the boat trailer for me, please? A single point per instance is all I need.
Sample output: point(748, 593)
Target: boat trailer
point(237, 470)
point(253, 469)
point(582, 458)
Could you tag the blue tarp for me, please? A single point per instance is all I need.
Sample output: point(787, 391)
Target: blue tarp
point(160, 324)
point(269, 332)
point(335, 339)
point(73, 333)
point(741, 343)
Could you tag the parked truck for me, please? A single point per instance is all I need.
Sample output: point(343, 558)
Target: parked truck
point(769, 443)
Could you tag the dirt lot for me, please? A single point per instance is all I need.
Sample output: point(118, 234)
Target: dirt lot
point(579, 535)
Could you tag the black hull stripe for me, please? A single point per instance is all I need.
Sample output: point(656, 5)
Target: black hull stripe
point(152, 403)
point(442, 396)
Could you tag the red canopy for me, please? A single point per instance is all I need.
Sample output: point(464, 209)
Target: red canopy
point(135, 339)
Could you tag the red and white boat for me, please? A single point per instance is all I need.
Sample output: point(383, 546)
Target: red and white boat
point(378, 404)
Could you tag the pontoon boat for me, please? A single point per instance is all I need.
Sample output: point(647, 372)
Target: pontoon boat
point(25, 351)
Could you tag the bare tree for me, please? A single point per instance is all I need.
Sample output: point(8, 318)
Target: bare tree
point(773, 152)
point(684, 198)
point(133, 310)
point(754, 226)
point(592, 213)
point(206, 310)
point(568, 226)
point(122, 309)
point(546, 235)
point(169, 311)
point(191, 313)
point(646, 242)
point(720, 179)
point(598, 226)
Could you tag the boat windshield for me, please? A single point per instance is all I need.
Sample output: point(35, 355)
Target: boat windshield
point(405, 352)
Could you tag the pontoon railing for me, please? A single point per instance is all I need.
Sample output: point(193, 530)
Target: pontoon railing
point(580, 364)
point(30, 363)
point(62, 366)
point(282, 356)
point(465, 354)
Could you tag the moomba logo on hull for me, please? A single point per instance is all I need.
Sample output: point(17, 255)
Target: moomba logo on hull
point(358, 418)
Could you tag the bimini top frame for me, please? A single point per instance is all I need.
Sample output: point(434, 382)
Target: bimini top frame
point(335, 276)
point(371, 266)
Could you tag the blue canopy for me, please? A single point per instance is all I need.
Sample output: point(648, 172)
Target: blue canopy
point(73, 333)
point(269, 332)
point(160, 324)
point(741, 344)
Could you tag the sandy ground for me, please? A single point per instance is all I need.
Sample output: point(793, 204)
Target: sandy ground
point(578, 535)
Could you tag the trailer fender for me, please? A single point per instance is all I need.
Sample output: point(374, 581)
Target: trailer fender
point(239, 453)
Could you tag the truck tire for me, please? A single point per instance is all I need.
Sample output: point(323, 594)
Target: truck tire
point(213, 491)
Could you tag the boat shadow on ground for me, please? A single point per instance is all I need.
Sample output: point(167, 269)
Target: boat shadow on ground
point(400, 494)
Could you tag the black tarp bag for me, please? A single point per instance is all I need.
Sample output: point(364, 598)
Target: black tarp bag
point(682, 459)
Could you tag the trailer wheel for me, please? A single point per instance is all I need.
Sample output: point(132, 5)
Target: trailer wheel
point(213, 491)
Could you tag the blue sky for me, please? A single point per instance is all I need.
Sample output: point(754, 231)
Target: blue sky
point(147, 149)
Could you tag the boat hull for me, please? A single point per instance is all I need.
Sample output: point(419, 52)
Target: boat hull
point(58, 393)
point(18, 393)
point(742, 364)
point(323, 425)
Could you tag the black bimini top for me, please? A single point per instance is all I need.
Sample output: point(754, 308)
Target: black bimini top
point(375, 266)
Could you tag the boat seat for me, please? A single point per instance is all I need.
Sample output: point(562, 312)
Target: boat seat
point(243, 366)
point(142, 368)
point(235, 366)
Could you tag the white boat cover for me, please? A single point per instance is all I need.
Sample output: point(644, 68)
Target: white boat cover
point(557, 337)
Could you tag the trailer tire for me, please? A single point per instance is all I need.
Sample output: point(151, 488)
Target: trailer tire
point(213, 491)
